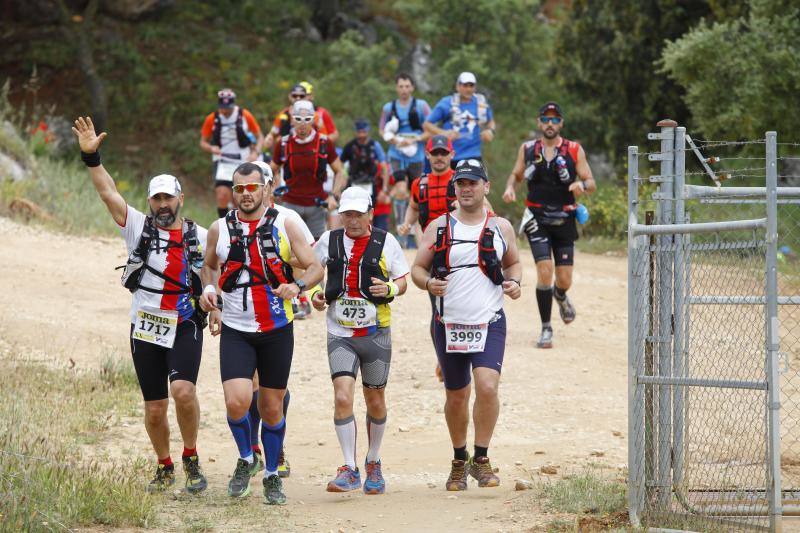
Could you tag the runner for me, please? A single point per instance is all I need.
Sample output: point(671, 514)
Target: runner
point(253, 244)
point(232, 136)
point(465, 117)
point(282, 126)
point(473, 257)
point(303, 156)
point(557, 173)
point(165, 251)
point(365, 160)
point(366, 271)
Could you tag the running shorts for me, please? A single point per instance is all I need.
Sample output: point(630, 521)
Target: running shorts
point(457, 367)
point(242, 353)
point(372, 354)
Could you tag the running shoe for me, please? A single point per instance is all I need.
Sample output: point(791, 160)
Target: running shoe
point(258, 463)
point(457, 480)
point(164, 478)
point(195, 479)
point(239, 485)
point(566, 310)
point(284, 469)
point(545, 339)
point(346, 480)
point(481, 469)
point(374, 483)
point(273, 490)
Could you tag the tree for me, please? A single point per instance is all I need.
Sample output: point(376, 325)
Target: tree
point(742, 76)
point(607, 57)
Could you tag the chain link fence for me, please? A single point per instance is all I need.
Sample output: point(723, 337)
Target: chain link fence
point(714, 338)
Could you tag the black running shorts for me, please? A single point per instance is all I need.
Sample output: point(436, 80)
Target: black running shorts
point(242, 353)
point(555, 243)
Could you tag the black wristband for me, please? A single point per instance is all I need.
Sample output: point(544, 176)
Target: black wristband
point(515, 281)
point(91, 160)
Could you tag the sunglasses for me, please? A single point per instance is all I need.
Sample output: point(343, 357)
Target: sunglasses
point(440, 153)
point(249, 187)
point(303, 119)
point(551, 120)
point(468, 84)
point(297, 96)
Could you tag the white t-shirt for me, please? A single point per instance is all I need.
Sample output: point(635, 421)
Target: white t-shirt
point(470, 297)
point(229, 142)
point(171, 261)
point(393, 265)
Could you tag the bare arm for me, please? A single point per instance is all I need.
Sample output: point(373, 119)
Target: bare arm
point(208, 147)
point(340, 180)
point(412, 216)
point(517, 173)
point(432, 129)
point(512, 268)
point(209, 274)
point(101, 179)
point(277, 179)
point(587, 183)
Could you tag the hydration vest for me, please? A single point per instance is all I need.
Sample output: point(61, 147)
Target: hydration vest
point(321, 162)
point(424, 199)
point(241, 135)
point(368, 267)
point(483, 108)
point(546, 190)
point(363, 165)
point(135, 267)
point(488, 262)
point(276, 269)
point(413, 115)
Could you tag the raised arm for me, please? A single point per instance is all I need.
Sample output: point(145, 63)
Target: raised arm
point(89, 142)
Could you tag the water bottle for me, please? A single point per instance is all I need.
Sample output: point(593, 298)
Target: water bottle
point(563, 171)
point(582, 214)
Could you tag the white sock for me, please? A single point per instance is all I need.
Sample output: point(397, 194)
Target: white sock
point(346, 433)
point(375, 430)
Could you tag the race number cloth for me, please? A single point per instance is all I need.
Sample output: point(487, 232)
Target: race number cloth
point(356, 313)
point(155, 326)
point(465, 338)
point(392, 263)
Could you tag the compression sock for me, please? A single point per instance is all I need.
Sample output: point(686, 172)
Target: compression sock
point(241, 434)
point(544, 299)
point(346, 433)
point(559, 294)
point(272, 438)
point(460, 453)
point(222, 211)
point(166, 461)
point(255, 420)
point(480, 451)
point(189, 452)
point(375, 428)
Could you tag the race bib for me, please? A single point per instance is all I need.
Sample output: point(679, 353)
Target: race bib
point(156, 326)
point(465, 338)
point(356, 313)
point(225, 170)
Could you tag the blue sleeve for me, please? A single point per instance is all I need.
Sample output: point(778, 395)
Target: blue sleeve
point(380, 155)
point(440, 112)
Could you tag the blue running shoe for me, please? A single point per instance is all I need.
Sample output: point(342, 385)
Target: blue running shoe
point(346, 480)
point(374, 484)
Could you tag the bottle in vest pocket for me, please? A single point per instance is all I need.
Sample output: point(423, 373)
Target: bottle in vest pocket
point(563, 171)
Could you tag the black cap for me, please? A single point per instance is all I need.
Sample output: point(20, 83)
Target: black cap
point(226, 98)
point(470, 169)
point(299, 89)
point(550, 106)
point(361, 124)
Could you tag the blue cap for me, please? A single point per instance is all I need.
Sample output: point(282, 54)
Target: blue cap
point(362, 124)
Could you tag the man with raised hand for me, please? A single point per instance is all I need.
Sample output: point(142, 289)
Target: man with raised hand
point(366, 271)
point(248, 261)
point(468, 260)
point(165, 252)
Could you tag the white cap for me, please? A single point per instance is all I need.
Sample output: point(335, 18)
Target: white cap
point(467, 77)
point(166, 183)
point(301, 106)
point(355, 199)
point(268, 177)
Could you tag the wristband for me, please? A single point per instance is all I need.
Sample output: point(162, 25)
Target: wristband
point(91, 160)
point(314, 290)
point(515, 281)
point(393, 289)
point(209, 288)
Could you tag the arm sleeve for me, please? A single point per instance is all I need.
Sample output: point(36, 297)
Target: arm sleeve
point(380, 155)
point(208, 126)
point(252, 125)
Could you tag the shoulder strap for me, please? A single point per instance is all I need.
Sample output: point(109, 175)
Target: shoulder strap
point(394, 109)
point(336, 244)
point(191, 243)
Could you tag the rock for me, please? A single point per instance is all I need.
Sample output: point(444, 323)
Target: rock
point(495, 469)
point(597, 453)
point(403, 429)
point(212, 460)
point(518, 463)
point(417, 384)
point(523, 484)
point(28, 210)
point(431, 485)
point(550, 470)
point(320, 442)
point(9, 168)
point(616, 433)
point(538, 452)
point(452, 497)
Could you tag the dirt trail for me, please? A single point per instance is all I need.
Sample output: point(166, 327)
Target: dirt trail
point(63, 297)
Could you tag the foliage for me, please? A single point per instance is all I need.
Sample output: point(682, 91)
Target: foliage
point(738, 73)
point(587, 492)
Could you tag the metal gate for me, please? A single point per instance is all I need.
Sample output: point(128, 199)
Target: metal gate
point(704, 359)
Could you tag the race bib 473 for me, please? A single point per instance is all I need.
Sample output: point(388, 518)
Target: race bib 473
point(355, 313)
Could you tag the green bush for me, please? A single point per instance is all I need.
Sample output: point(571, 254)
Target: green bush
point(608, 212)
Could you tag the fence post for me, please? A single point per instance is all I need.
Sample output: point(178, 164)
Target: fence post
point(773, 335)
point(679, 291)
point(664, 216)
point(635, 452)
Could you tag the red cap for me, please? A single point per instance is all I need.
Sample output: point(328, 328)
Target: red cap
point(438, 142)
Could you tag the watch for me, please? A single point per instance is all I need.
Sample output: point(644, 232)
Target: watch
point(300, 284)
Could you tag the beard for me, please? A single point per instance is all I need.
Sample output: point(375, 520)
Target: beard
point(550, 133)
point(257, 202)
point(166, 217)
